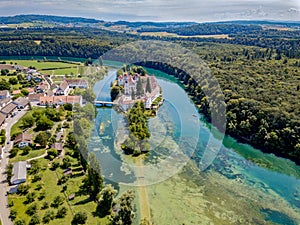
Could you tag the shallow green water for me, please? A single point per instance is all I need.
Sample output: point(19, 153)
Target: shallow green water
point(178, 127)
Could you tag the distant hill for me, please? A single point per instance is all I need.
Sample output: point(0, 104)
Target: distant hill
point(262, 22)
point(45, 18)
point(151, 24)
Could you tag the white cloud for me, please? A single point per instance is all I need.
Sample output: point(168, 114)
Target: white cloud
point(160, 10)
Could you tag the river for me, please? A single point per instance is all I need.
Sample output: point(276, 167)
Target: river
point(232, 190)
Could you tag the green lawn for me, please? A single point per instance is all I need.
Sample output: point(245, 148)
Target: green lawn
point(68, 71)
point(30, 155)
point(41, 65)
point(17, 127)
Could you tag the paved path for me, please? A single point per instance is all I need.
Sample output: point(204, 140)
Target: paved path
point(4, 209)
point(142, 190)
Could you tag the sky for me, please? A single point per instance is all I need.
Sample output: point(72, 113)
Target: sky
point(158, 10)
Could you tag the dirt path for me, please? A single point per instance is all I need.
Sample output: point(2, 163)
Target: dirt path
point(142, 191)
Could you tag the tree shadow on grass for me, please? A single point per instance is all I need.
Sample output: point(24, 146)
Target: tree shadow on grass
point(85, 201)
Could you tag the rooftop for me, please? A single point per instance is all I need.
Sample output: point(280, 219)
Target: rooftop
point(23, 138)
point(9, 108)
point(19, 171)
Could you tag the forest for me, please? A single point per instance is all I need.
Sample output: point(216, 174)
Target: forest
point(258, 74)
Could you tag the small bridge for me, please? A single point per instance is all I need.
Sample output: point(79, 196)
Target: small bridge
point(104, 103)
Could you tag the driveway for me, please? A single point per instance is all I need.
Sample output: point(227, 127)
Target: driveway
point(4, 209)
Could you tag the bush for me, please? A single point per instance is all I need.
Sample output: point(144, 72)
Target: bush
point(30, 197)
point(58, 200)
point(35, 219)
point(79, 218)
point(45, 205)
point(61, 212)
point(42, 195)
point(20, 222)
point(54, 165)
point(49, 215)
point(13, 214)
point(23, 189)
point(52, 152)
point(36, 177)
point(13, 152)
point(32, 209)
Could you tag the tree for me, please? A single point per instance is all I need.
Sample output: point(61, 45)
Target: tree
point(13, 81)
point(35, 219)
point(95, 179)
point(125, 215)
point(13, 214)
point(20, 222)
point(61, 212)
point(13, 152)
point(148, 86)
point(42, 139)
point(4, 72)
point(139, 88)
point(106, 200)
point(26, 150)
point(25, 92)
point(68, 107)
point(44, 123)
point(114, 92)
point(32, 209)
point(23, 189)
point(30, 197)
point(79, 218)
point(49, 215)
point(58, 200)
point(52, 152)
point(4, 85)
point(28, 121)
point(9, 172)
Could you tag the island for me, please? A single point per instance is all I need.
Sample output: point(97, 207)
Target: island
point(139, 96)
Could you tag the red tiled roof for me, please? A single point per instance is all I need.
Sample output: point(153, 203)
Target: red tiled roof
point(4, 93)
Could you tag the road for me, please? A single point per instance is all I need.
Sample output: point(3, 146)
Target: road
point(4, 209)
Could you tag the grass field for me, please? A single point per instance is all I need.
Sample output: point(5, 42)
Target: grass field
point(32, 154)
point(17, 127)
point(52, 68)
point(49, 180)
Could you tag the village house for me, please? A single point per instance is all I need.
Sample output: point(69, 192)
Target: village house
point(35, 97)
point(16, 92)
point(21, 102)
point(67, 84)
point(9, 109)
point(19, 173)
point(30, 90)
point(23, 140)
point(77, 83)
point(41, 87)
point(58, 147)
point(4, 101)
point(60, 100)
point(63, 88)
point(4, 94)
